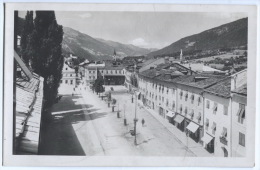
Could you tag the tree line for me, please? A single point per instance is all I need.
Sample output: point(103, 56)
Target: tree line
point(41, 50)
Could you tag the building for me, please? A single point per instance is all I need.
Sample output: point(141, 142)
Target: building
point(28, 110)
point(69, 76)
point(112, 72)
point(152, 63)
point(159, 90)
point(217, 118)
point(190, 113)
point(239, 113)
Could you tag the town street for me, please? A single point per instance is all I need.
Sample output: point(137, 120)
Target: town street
point(83, 124)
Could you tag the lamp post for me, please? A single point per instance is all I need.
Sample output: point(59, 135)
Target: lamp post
point(125, 122)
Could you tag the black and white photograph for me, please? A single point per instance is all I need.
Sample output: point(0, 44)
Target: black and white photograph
point(129, 85)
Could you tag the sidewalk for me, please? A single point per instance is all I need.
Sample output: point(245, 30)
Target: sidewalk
point(194, 147)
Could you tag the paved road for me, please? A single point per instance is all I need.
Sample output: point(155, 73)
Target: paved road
point(83, 125)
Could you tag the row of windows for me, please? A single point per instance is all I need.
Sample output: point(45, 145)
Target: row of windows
point(66, 81)
point(69, 75)
point(90, 77)
point(111, 71)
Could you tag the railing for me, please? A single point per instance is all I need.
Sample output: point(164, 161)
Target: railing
point(223, 140)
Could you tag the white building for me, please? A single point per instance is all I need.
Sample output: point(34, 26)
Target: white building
point(239, 113)
point(68, 76)
point(217, 119)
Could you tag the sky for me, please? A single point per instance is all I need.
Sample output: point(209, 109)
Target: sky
point(143, 29)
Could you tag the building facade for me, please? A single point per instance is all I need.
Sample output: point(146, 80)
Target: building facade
point(69, 76)
point(239, 113)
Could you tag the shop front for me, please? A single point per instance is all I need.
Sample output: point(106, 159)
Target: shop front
point(179, 122)
point(208, 142)
point(194, 131)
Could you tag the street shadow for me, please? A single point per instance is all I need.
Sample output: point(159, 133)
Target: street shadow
point(58, 136)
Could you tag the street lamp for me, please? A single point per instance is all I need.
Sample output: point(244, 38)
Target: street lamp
point(125, 122)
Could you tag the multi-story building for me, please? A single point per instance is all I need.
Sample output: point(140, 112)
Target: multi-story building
point(158, 88)
point(112, 72)
point(69, 76)
point(190, 102)
point(239, 113)
point(217, 118)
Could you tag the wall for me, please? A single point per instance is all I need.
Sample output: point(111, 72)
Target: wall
point(237, 149)
point(221, 121)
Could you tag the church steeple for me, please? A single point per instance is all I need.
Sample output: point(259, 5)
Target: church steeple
point(114, 55)
point(181, 55)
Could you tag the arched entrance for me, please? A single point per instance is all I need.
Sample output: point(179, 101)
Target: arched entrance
point(225, 152)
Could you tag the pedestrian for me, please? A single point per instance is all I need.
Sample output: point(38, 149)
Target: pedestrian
point(143, 122)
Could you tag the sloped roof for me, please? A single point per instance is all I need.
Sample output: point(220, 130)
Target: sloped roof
point(241, 90)
point(223, 88)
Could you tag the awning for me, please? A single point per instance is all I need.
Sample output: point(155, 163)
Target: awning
point(206, 138)
point(178, 119)
point(193, 127)
point(170, 114)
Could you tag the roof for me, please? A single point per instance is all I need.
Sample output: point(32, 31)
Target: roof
point(222, 88)
point(241, 90)
point(201, 80)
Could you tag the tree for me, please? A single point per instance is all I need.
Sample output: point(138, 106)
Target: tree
point(28, 28)
point(46, 52)
point(98, 84)
point(133, 80)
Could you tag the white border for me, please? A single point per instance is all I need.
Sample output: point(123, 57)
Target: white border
point(15, 160)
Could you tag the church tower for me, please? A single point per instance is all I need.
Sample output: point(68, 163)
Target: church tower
point(114, 55)
point(181, 55)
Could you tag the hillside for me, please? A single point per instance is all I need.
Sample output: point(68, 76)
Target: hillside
point(229, 35)
point(87, 47)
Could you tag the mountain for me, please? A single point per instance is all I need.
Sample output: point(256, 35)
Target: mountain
point(87, 47)
point(231, 35)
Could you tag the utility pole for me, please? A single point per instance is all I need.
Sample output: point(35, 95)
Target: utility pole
point(125, 123)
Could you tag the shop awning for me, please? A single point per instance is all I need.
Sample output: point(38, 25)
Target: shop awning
point(178, 119)
point(206, 138)
point(170, 114)
point(193, 127)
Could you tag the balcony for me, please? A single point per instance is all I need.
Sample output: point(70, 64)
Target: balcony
point(223, 140)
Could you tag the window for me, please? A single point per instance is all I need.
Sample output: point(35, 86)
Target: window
point(198, 117)
point(119, 71)
point(101, 71)
point(181, 109)
point(186, 96)
point(71, 81)
point(107, 71)
point(181, 93)
point(199, 100)
point(208, 104)
point(214, 127)
point(224, 132)
point(89, 77)
point(66, 81)
point(225, 108)
point(70, 75)
point(191, 114)
point(89, 72)
point(215, 108)
point(173, 105)
point(162, 99)
point(167, 102)
point(207, 124)
point(241, 139)
point(111, 72)
point(192, 98)
point(241, 113)
point(186, 110)
point(66, 68)
point(116, 71)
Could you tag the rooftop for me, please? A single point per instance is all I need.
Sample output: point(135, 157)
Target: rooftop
point(223, 88)
point(241, 90)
